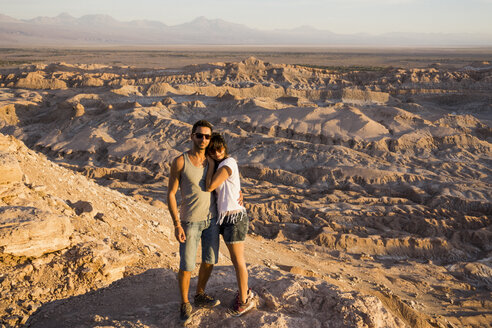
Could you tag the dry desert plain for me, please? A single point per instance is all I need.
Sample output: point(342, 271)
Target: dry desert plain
point(366, 173)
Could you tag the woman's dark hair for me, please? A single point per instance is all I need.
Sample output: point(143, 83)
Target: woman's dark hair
point(217, 141)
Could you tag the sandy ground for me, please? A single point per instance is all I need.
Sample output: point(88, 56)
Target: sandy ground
point(368, 189)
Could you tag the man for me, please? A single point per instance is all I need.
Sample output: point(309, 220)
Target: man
point(197, 219)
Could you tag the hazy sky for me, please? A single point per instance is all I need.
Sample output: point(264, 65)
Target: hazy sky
point(340, 16)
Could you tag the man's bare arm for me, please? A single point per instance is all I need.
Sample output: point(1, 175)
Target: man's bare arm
point(174, 177)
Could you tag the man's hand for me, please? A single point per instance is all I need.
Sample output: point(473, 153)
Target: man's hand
point(179, 234)
point(176, 168)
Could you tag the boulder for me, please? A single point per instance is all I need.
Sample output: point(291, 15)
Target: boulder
point(31, 232)
point(8, 114)
point(160, 89)
point(353, 95)
point(10, 171)
point(168, 101)
point(36, 80)
point(78, 110)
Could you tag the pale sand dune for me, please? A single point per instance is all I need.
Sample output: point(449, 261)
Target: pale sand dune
point(376, 184)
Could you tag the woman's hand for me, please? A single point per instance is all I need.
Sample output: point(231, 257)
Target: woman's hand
point(240, 199)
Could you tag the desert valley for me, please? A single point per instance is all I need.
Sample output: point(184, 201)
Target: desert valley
point(368, 180)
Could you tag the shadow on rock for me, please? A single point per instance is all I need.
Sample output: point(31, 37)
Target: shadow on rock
point(151, 299)
point(147, 299)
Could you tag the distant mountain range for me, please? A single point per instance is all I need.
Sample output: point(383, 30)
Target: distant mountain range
point(65, 29)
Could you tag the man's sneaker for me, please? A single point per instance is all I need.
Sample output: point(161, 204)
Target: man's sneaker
point(206, 301)
point(239, 308)
point(185, 312)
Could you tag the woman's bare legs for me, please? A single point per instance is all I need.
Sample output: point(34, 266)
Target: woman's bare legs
point(236, 250)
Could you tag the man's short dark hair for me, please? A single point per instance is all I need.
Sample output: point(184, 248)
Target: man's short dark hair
point(204, 123)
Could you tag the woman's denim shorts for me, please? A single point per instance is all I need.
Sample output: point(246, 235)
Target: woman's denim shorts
point(235, 232)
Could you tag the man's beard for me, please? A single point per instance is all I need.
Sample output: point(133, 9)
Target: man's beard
point(198, 144)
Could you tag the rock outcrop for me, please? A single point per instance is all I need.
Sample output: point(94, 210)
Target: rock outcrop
point(30, 232)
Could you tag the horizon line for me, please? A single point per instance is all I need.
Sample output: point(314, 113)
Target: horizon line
point(253, 28)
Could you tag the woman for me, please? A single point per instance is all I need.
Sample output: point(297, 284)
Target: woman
point(232, 216)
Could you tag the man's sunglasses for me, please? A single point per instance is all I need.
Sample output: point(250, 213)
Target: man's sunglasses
point(201, 135)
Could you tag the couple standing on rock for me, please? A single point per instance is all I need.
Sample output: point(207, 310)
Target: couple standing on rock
point(203, 215)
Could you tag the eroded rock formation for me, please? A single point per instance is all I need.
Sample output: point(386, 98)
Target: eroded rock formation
point(361, 172)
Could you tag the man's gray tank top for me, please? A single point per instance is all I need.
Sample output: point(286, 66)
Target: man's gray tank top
point(196, 203)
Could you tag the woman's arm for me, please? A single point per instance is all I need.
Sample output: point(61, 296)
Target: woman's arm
point(218, 178)
point(210, 172)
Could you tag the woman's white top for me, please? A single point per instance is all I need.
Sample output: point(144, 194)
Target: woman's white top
point(228, 193)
